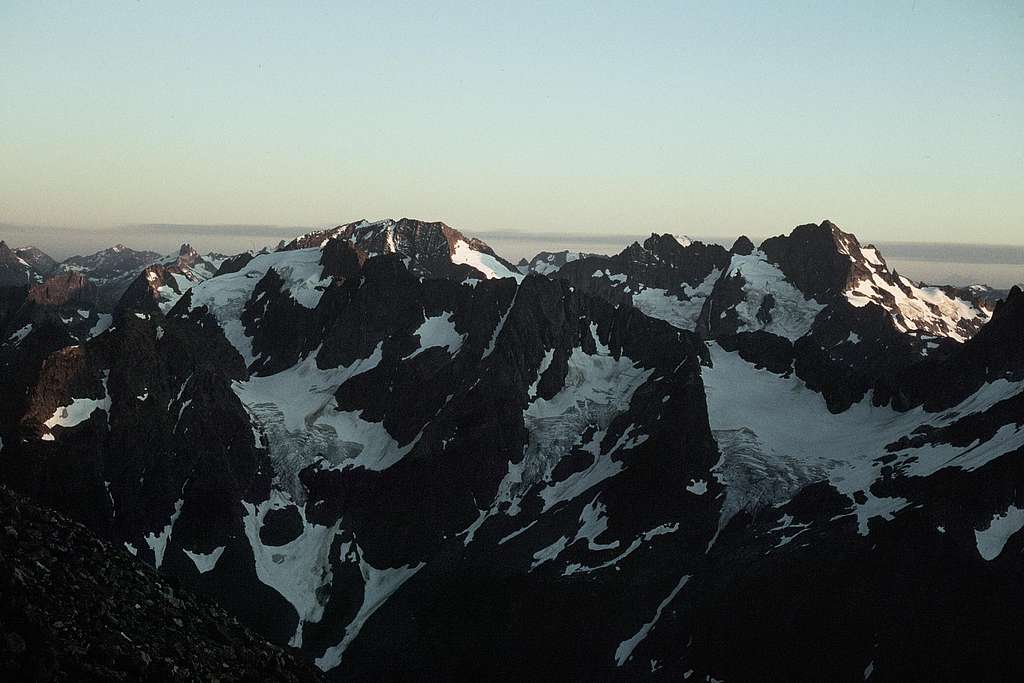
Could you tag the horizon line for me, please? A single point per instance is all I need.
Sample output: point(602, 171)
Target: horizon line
point(270, 230)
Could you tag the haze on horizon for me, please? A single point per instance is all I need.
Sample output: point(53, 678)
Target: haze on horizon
point(899, 121)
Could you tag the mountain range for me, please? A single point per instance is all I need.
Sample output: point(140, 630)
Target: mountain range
point(392, 449)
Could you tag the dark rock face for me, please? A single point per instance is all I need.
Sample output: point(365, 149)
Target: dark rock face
point(341, 260)
point(761, 349)
point(665, 263)
point(812, 260)
point(718, 317)
point(11, 301)
point(742, 246)
point(73, 607)
point(67, 288)
point(852, 350)
point(143, 294)
point(235, 263)
point(279, 326)
point(882, 602)
point(35, 322)
point(142, 384)
point(281, 526)
point(21, 361)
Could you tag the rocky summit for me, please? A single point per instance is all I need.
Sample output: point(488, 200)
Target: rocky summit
point(392, 450)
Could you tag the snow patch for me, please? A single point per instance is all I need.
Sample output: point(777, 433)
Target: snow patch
point(378, 586)
point(992, 540)
point(470, 531)
point(491, 267)
point(626, 647)
point(205, 562)
point(80, 409)
point(499, 327)
point(297, 570)
point(593, 523)
point(646, 537)
point(158, 541)
point(681, 310)
point(792, 314)
point(697, 487)
point(438, 331)
point(545, 363)
point(18, 335)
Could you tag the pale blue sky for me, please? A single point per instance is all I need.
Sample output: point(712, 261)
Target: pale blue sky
point(898, 120)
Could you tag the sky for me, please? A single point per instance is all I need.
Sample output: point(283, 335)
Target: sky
point(899, 121)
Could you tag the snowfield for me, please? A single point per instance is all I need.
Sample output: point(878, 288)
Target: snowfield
point(225, 296)
point(299, 415)
point(775, 429)
point(793, 313)
point(681, 312)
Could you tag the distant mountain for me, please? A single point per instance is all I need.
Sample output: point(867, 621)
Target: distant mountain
point(384, 445)
point(16, 270)
point(814, 301)
point(40, 262)
point(978, 294)
point(110, 264)
point(780, 287)
point(111, 270)
point(160, 285)
point(117, 269)
point(430, 249)
point(824, 262)
point(663, 277)
point(547, 262)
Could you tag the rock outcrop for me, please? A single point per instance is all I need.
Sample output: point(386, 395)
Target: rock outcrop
point(74, 607)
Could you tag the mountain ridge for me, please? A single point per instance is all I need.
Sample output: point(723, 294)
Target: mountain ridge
point(365, 438)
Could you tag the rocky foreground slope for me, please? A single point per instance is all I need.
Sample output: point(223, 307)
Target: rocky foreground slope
point(383, 445)
point(75, 608)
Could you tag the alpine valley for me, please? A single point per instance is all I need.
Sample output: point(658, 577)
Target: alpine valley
point(388, 447)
